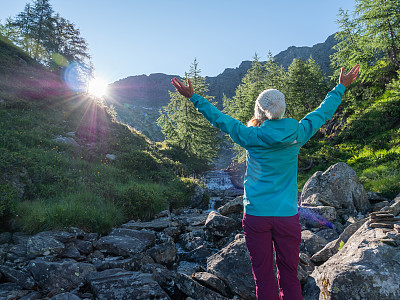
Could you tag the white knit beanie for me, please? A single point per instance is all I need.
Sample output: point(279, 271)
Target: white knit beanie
point(270, 104)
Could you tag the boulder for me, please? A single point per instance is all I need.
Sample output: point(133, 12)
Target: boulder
point(200, 254)
point(126, 242)
point(22, 278)
point(164, 277)
point(232, 265)
point(65, 274)
point(331, 248)
point(394, 207)
point(47, 242)
point(311, 242)
point(192, 217)
point(121, 284)
point(365, 268)
point(212, 282)
point(192, 288)
point(114, 263)
point(220, 226)
point(233, 206)
point(165, 253)
point(317, 216)
point(338, 187)
point(156, 224)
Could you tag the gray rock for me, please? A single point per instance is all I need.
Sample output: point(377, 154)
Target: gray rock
point(200, 254)
point(164, 277)
point(126, 242)
point(165, 254)
point(306, 263)
point(189, 268)
point(394, 208)
point(5, 238)
point(365, 268)
point(66, 140)
point(220, 226)
point(114, 263)
point(66, 274)
point(48, 242)
point(197, 197)
point(190, 241)
point(65, 296)
point(157, 224)
point(19, 277)
point(328, 234)
point(10, 290)
point(212, 282)
point(192, 288)
point(232, 265)
point(120, 284)
point(331, 248)
point(71, 252)
point(317, 216)
point(84, 247)
point(233, 206)
point(311, 243)
point(338, 187)
point(193, 217)
point(32, 296)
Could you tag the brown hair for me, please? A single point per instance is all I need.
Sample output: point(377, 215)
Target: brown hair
point(254, 122)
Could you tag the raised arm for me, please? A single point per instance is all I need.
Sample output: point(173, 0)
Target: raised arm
point(348, 78)
point(311, 123)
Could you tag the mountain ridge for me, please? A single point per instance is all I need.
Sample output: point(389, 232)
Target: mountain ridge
point(153, 89)
point(138, 99)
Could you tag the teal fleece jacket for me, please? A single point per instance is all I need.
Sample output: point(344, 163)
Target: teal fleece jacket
point(270, 182)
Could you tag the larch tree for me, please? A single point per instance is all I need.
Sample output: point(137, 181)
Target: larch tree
point(184, 127)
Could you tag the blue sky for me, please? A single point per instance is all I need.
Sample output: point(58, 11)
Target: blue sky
point(131, 37)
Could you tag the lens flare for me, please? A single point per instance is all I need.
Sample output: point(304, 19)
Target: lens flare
point(76, 76)
point(314, 217)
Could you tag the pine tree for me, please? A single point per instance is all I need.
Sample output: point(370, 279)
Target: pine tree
point(186, 128)
point(305, 88)
point(68, 42)
point(241, 107)
point(369, 36)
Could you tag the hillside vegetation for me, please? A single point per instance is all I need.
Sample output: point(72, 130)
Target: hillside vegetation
point(55, 170)
point(365, 131)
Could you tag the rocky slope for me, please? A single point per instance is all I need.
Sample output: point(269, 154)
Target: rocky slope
point(348, 251)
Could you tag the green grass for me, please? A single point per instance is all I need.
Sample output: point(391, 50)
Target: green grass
point(64, 185)
point(369, 143)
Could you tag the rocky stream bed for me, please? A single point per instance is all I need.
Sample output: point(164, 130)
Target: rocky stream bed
point(350, 250)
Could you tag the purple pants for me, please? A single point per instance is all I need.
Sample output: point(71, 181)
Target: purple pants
point(283, 234)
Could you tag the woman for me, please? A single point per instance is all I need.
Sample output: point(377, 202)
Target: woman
point(272, 143)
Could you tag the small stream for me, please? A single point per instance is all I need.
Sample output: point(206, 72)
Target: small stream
point(218, 180)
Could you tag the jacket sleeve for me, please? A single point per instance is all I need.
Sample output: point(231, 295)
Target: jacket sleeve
point(239, 133)
point(313, 121)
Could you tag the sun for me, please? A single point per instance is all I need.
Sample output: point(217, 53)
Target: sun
point(97, 87)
